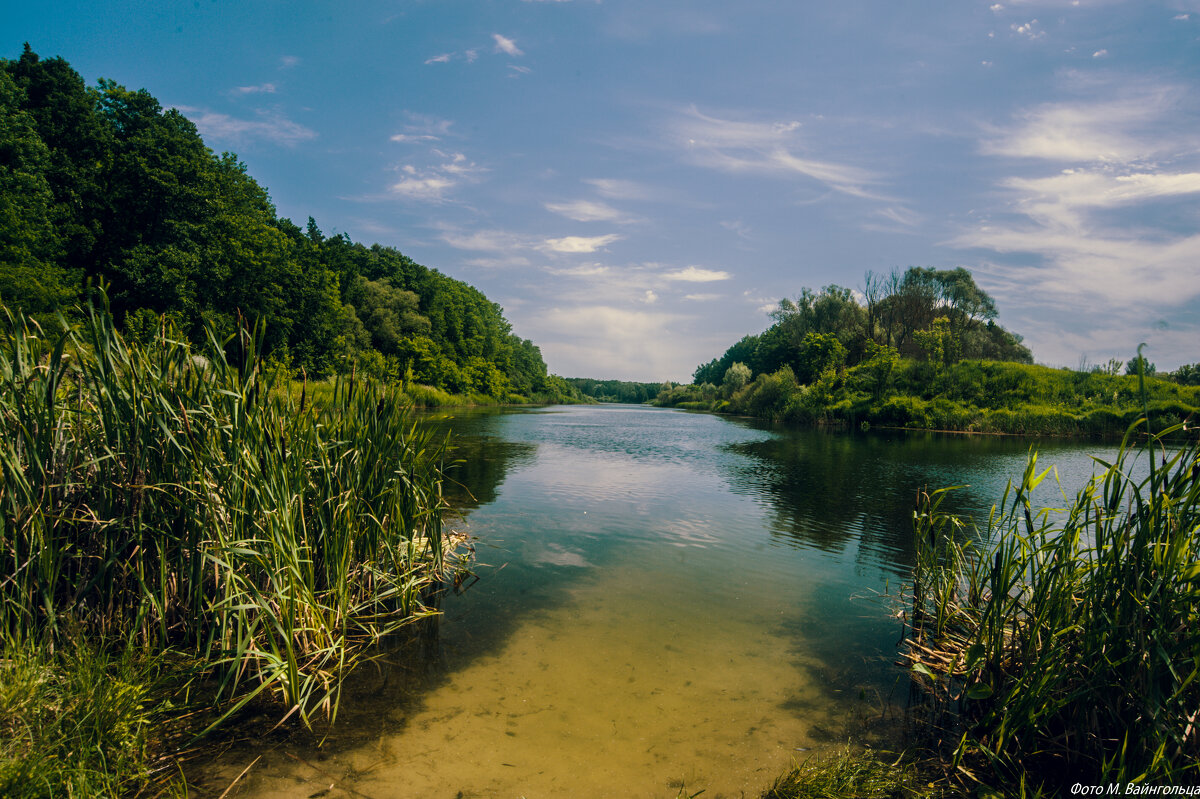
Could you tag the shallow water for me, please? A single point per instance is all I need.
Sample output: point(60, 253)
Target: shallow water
point(665, 600)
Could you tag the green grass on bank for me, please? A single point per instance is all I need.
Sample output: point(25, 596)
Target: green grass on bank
point(850, 775)
point(87, 721)
point(1066, 647)
point(969, 396)
point(162, 508)
point(321, 393)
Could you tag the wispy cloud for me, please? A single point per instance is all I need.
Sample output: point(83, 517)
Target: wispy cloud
point(587, 211)
point(423, 129)
point(266, 126)
point(422, 187)
point(1031, 29)
point(1108, 156)
point(695, 274)
point(579, 244)
point(506, 45)
point(637, 343)
point(262, 88)
point(764, 148)
point(289, 61)
point(433, 182)
point(444, 58)
point(1112, 131)
point(621, 189)
point(485, 240)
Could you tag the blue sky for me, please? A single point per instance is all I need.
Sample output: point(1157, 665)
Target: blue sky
point(637, 182)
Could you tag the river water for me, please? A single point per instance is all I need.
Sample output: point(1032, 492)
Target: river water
point(665, 601)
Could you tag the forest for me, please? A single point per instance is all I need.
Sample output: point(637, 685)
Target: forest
point(102, 186)
point(922, 349)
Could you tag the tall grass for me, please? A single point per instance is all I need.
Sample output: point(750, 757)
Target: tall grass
point(1070, 646)
point(156, 499)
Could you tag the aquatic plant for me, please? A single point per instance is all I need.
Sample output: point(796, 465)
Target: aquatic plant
point(1066, 647)
point(156, 499)
point(848, 774)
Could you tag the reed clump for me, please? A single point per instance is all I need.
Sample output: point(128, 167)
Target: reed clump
point(155, 500)
point(1067, 649)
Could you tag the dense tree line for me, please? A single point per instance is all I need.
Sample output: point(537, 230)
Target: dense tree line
point(102, 185)
point(615, 390)
point(922, 313)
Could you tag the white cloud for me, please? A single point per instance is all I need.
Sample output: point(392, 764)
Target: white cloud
point(579, 244)
point(701, 297)
point(458, 165)
point(1030, 29)
point(486, 240)
point(433, 182)
point(498, 263)
point(587, 211)
point(607, 341)
point(423, 128)
point(619, 189)
point(900, 215)
point(519, 70)
point(589, 270)
point(262, 88)
point(996, 8)
point(1107, 131)
point(422, 188)
point(267, 126)
point(763, 148)
point(649, 297)
point(1062, 199)
point(471, 55)
point(440, 59)
point(694, 274)
point(289, 61)
point(1100, 54)
point(506, 45)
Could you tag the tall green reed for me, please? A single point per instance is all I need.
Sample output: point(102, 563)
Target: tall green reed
point(1070, 644)
point(156, 496)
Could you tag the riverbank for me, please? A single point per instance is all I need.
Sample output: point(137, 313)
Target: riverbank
point(967, 396)
point(181, 540)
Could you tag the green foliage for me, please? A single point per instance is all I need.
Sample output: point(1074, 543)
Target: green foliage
point(735, 377)
point(1139, 365)
point(106, 184)
point(1070, 639)
point(177, 502)
point(846, 775)
point(939, 343)
point(80, 720)
point(1188, 374)
point(941, 315)
point(885, 390)
point(874, 374)
point(818, 353)
point(614, 390)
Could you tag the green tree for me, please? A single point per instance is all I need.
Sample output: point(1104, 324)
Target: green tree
point(735, 377)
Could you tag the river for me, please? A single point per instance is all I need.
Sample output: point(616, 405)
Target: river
point(665, 601)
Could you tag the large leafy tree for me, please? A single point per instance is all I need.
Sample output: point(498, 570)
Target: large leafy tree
point(105, 184)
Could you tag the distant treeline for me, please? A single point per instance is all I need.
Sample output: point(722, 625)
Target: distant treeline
point(104, 184)
point(921, 313)
point(615, 390)
point(922, 350)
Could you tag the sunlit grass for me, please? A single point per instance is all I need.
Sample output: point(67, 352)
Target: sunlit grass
point(155, 501)
point(1068, 649)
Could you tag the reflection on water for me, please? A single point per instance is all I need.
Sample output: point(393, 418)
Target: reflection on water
point(665, 599)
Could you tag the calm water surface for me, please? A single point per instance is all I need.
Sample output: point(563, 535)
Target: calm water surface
point(665, 599)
